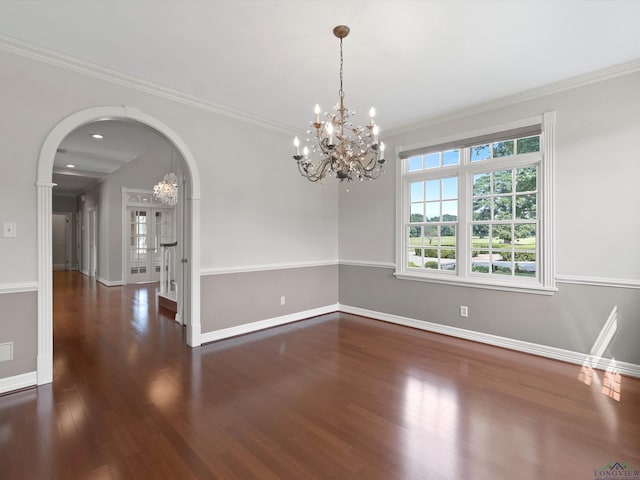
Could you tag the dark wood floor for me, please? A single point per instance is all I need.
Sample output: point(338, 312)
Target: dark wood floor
point(337, 396)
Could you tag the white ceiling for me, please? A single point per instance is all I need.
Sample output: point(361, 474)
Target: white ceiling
point(93, 159)
point(412, 60)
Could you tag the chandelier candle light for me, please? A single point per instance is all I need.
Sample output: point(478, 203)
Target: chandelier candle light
point(341, 149)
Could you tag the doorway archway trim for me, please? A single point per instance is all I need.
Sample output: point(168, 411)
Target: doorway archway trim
point(44, 189)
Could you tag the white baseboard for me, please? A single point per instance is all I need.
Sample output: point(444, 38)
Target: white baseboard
point(18, 382)
point(262, 324)
point(110, 283)
point(569, 356)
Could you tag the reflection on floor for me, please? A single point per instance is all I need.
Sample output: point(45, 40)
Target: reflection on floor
point(336, 396)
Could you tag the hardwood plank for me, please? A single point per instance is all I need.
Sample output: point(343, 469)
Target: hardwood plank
point(336, 396)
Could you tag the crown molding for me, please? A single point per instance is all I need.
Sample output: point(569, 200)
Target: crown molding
point(68, 62)
point(533, 93)
point(76, 172)
point(64, 194)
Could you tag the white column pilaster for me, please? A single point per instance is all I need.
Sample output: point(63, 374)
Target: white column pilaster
point(193, 319)
point(45, 284)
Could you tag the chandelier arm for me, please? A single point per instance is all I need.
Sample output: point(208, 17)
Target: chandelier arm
point(324, 146)
point(312, 177)
point(372, 166)
point(326, 163)
point(301, 169)
point(364, 164)
point(320, 172)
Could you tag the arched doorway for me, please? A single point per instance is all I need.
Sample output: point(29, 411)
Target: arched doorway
point(44, 187)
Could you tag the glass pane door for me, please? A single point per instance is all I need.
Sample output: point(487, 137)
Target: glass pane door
point(148, 228)
point(140, 250)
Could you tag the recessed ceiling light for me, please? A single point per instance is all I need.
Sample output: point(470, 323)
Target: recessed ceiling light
point(69, 165)
point(97, 136)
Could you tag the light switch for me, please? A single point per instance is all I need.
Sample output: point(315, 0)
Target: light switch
point(8, 229)
point(6, 351)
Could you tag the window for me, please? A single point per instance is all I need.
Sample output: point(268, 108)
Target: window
point(432, 224)
point(477, 210)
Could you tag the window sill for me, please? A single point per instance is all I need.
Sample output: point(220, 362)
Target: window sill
point(473, 283)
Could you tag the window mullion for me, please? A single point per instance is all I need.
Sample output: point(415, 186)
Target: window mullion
point(464, 216)
point(545, 245)
point(406, 218)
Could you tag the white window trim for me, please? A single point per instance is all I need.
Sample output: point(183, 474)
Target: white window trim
point(546, 283)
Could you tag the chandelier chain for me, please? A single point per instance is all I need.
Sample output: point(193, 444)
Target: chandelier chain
point(341, 91)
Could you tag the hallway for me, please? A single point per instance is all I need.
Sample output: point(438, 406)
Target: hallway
point(336, 396)
point(114, 353)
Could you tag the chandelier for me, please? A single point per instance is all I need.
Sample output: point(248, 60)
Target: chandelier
point(339, 148)
point(167, 189)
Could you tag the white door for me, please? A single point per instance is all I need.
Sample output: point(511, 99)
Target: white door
point(78, 262)
point(148, 228)
point(93, 242)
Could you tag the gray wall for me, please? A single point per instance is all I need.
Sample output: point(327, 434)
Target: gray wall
point(18, 325)
point(92, 199)
point(571, 319)
point(67, 204)
point(234, 299)
point(58, 240)
point(596, 229)
point(243, 168)
point(256, 209)
point(63, 203)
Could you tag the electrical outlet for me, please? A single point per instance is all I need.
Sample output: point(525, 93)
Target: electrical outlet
point(282, 300)
point(464, 311)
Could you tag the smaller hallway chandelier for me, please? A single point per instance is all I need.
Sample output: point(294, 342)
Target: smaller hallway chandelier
point(167, 189)
point(339, 148)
